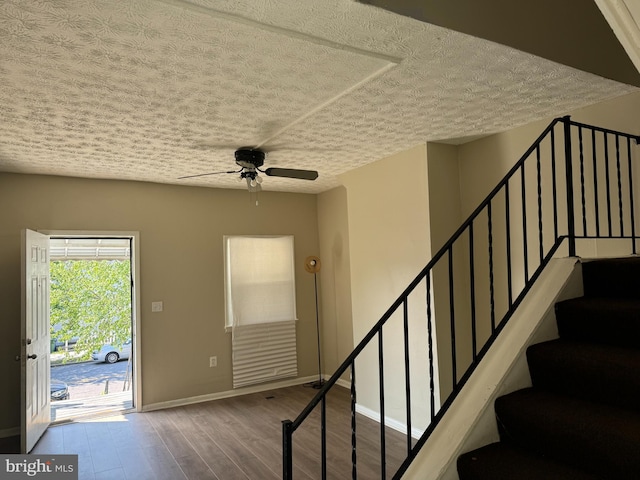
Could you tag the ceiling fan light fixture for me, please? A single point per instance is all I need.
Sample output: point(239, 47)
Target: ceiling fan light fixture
point(250, 159)
point(247, 157)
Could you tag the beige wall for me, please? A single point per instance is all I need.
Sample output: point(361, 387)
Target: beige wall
point(444, 192)
point(388, 208)
point(484, 162)
point(335, 279)
point(446, 217)
point(181, 230)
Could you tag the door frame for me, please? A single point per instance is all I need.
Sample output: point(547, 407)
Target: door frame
point(135, 301)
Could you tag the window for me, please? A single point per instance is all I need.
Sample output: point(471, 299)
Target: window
point(259, 280)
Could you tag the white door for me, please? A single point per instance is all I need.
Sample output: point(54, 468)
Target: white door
point(35, 360)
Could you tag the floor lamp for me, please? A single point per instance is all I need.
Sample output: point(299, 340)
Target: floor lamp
point(312, 265)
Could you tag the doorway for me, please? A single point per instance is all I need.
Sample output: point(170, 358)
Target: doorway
point(93, 326)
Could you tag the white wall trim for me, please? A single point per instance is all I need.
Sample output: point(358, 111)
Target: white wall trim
point(237, 392)
point(624, 18)
point(343, 383)
point(389, 422)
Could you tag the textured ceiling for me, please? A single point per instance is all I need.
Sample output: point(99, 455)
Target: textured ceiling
point(586, 42)
point(153, 90)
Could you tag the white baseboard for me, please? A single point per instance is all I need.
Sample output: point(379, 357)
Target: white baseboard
point(263, 387)
point(9, 432)
point(389, 422)
point(344, 383)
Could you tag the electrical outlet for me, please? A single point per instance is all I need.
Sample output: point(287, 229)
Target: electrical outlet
point(213, 361)
point(156, 306)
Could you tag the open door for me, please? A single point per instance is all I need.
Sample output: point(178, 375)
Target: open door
point(35, 389)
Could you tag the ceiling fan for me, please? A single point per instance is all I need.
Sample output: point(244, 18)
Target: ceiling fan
point(250, 159)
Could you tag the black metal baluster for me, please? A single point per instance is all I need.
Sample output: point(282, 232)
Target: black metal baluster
point(608, 182)
point(383, 452)
point(432, 386)
point(583, 201)
point(453, 321)
point(539, 180)
point(472, 292)
point(354, 456)
point(525, 242)
point(631, 206)
point(619, 185)
point(407, 373)
point(554, 185)
point(508, 240)
point(568, 165)
point(323, 436)
point(596, 194)
point(491, 285)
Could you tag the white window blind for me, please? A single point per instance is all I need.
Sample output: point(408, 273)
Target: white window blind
point(260, 280)
point(261, 308)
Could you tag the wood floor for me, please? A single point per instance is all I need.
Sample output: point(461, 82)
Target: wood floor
point(235, 438)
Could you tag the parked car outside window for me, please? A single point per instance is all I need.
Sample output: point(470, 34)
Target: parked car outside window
point(110, 354)
point(59, 390)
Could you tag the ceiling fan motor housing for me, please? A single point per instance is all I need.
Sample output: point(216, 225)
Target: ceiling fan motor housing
point(248, 157)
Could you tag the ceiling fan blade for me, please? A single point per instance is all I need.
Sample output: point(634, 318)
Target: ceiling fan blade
point(291, 173)
point(210, 173)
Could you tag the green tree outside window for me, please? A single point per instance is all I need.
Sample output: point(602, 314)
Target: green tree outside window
point(91, 301)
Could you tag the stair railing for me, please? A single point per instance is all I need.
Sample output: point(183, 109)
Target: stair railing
point(475, 290)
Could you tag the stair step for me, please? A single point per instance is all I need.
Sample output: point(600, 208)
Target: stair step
point(602, 320)
point(500, 461)
point(597, 438)
point(604, 374)
point(612, 277)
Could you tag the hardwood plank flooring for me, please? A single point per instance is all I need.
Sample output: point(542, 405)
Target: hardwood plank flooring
point(236, 438)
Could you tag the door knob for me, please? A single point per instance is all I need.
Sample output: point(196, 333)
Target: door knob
point(33, 355)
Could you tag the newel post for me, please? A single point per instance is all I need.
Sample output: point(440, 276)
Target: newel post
point(287, 450)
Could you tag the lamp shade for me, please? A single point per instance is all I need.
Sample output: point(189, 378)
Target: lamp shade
point(312, 264)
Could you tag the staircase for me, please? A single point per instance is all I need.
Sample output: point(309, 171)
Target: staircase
point(581, 418)
point(571, 191)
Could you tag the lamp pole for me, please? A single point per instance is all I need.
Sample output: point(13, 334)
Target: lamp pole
point(312, 265)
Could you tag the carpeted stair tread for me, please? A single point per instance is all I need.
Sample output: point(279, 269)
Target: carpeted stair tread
point(612, 277)
point(605, 374)
point(500, 461)
point(596, 438)
point(581, 418)
point(602, 320)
